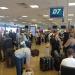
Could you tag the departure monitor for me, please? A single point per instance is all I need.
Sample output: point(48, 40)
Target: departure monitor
point(56, 12)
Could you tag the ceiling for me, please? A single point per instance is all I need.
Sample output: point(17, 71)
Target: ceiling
point(18, 8)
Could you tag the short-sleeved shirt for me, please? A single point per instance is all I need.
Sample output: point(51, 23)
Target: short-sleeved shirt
point(23, 53)
point(69, 62)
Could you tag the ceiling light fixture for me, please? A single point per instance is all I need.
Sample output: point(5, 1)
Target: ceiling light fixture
point(3, 8)
point(25, 16)
point(34, 20)
point(34, 6)
point(69, 19)
point(70, 14)
point(50, 19)
point(1, 16)
point(46, 15)
point(71, 4)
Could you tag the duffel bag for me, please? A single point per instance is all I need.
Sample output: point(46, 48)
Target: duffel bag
point(35, 52)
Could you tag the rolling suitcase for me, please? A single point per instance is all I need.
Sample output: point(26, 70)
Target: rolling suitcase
point(46, 63)
point(10, 60)
point(57, 60)
point(38, 41)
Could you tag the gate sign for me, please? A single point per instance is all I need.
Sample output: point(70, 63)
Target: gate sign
point(56, 12)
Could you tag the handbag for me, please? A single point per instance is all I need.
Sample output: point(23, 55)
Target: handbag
point(28, 72)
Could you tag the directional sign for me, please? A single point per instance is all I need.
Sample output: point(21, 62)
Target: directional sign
point(56, 12)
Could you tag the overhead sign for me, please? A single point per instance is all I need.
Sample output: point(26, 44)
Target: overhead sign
point(56, 12)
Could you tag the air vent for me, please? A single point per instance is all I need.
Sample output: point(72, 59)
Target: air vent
point(23, 5)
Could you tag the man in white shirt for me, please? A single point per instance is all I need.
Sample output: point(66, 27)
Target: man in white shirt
point(20, 55)
point(70, 61)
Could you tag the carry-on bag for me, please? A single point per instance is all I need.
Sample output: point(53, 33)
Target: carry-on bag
point(10, 60)
point(35, 52)
point(46, 63)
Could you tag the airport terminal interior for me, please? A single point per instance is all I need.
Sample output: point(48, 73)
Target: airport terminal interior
point(37, 37)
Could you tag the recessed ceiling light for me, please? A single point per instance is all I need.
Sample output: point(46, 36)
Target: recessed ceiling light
point(3, 8)
point(50, 19)
point(34, 6)
point(71, 4)
point(25, 16)
point(1, 16)
point(46, 15)
point(34, 20)
point(69, 19)
point(70, 14)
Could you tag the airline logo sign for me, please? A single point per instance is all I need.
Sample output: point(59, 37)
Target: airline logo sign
point(56, 12)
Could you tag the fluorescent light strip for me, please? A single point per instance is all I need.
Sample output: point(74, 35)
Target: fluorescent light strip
point(1, 16)
point(71, 4)
point(34, 20)
point(50, 19)
point(34, 6)
point(70, 14)
point(25, 16)
point(46, 15)
point(3, 8)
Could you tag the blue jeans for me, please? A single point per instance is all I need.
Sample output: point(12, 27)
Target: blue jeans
point(19, 65)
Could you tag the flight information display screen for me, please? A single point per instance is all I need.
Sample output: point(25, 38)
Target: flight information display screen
point(56, 12)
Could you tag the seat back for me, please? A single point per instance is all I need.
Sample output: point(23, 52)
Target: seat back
point(67, 70)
